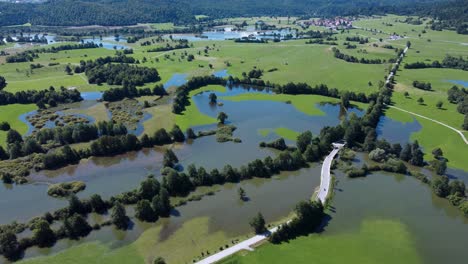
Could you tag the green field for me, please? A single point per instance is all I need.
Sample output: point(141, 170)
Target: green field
point(281, 132)
point(377, 241)
point(187, 242)
point(10, 114)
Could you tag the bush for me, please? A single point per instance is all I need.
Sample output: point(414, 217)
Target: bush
point(66, 188)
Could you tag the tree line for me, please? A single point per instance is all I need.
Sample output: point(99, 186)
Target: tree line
point(449, 61)
point(350, 58)
point(43, 96)
point(105, 70)
point(181, 45)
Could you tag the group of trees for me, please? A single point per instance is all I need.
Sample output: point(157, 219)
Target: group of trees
point(56, 137)
point(40, 97)
point(130, 91)
point(460, 97)
point(422, 85)
point(106, 70)
point(449, 61)
point(361, 40)
point(350, 58)
point(183, 44)
point(309, 215)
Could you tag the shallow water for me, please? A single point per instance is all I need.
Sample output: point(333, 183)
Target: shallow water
point(395, 131)
point(263, 196)
point(439, 229)
point(459, 82)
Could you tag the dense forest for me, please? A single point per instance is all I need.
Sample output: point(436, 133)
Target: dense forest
point(129, 12)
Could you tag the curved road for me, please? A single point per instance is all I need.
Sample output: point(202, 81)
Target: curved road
point(433, 120)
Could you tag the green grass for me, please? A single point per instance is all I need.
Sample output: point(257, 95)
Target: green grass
point(192, 116)
point(182, 246)
point(281, 132)
point(377, 241)
point(162, 26)
point(10, 113)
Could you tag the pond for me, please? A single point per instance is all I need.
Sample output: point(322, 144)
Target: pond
point(397, 132)
point(459, 82)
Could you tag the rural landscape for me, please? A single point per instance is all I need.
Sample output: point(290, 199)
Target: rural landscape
point(255, 131)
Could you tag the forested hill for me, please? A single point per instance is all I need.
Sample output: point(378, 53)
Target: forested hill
point(129, 12)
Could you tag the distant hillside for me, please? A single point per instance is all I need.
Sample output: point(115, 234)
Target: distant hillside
point(128, 12)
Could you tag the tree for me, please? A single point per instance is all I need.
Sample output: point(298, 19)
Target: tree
point(457, 187)
point(97, 204)
point(144, 212)
point(439, 104)
point(177, 134)
point(437, 152)
point(5, 126)
point(303, 140)
point(149, 188)
point(420, 100)
point(170, 158)
point(3, 154)
point(119, 216)
point(161, 203)
point(213, 98)
point(191, 133)
point(43, 236)
point(241, 193)
point(440, 186)
point(378, 155)
point(13, 136)
point(75, 205)
point(68, 70)
point(465, 122)
point(159, 260)
point(440, 166)
point(3, 83)
point(406, 153)
point(258, 224)
point(76, 226)
point(222, 117)
point(9, 245)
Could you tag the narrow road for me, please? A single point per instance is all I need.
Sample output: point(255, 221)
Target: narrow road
point(325, 178)
point(433, 120)
point(246, 244)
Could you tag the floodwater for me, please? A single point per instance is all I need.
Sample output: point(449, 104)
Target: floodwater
point(263, 197)
point(396, 132)
point(439, 230)
point(228, 34)
point(380, 195)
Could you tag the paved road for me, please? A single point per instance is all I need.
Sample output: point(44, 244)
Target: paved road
point(244, 245)
point(325, 175)
point(433, 120)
